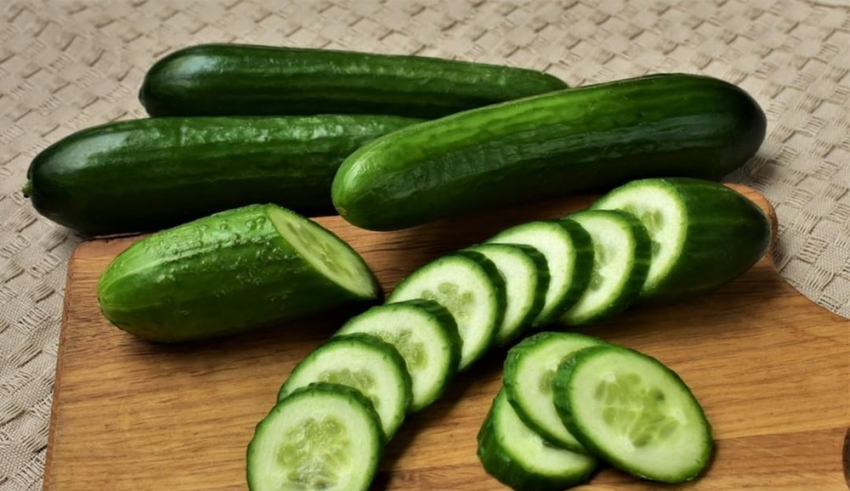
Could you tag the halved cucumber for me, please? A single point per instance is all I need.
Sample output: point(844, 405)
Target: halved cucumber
point(470, 287)
point(518, 457)
point(569, 258)
point(529, 371)
point(634, 412)
point(526, 281)
point(362, 362)
point(322, 437)
point(425, 334)
point(621, 255)
point(703, 233)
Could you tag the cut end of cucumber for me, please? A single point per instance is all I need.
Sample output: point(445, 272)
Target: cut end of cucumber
point(635, 410)
point(361, 380)
point(459, 302)
point(325, 251)
point(315, 453)
point(660, 210)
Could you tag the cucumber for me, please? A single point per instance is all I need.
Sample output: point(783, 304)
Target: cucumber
point(587, 138)
point(425, 334)
point(703, 233)
point(470, 287)
point(529, 371)
point(148, 174)
point(244, 268)
point(518, 457)
point(621, 254)
point(568, 252)
point(363, 362)
point(526, 278)
point(322, 437)
point(635, 413)
point(230, 79)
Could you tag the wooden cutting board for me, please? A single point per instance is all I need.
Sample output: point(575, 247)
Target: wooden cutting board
point(771, 368)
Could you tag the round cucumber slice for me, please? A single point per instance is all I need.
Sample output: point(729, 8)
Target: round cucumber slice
point(621, 256)
point(703, 233)
point(518, 457)
point(322, 437)
point(425, 334)
point(362, 362)
point(529, 372)
point(569, 259)
point(634, 412)
point(526, 278)
point(470, 287)
point(326, 252)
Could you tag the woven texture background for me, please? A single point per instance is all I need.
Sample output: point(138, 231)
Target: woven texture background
point(67, 65)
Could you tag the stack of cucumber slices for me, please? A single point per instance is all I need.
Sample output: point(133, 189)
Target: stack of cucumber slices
point(557, 413)
point(570, 399)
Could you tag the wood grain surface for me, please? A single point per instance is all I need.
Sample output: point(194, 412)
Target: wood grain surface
point(771, 368)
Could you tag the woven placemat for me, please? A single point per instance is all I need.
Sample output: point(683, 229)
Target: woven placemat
point(67, 65)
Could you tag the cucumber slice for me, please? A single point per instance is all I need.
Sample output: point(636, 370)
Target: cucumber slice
point(529, 371)
point(518, 457)
point(621, 255)
point(634, 412)
point(425, 334)
point(365, 363)
point(569, 258)
point(703, 233)
point(470, 287)
point(526, 278)
point(322, 437)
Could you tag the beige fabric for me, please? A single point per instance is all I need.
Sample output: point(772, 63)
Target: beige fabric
point(65, 65)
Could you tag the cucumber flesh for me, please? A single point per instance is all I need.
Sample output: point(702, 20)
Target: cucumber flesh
point(425, 334)
point(634, 412)
point(569, 258)
point(703, 233)
point(518, 457)
point(325, 251)
point(529, 372)
point(468, 286)
point(621, 256)
point(323, 437)
point(526, 278)
point(362, 362)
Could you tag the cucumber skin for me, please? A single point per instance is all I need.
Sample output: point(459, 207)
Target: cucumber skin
point(444, 318)
point(231, 79)
point(142, 175)
point(219, 275)
point(509, 381)
point(561, 387)
point(582, 269)
point(583, 139)
point(730, 235)
point(377, 433)
point(501, 466)
point(631, 290)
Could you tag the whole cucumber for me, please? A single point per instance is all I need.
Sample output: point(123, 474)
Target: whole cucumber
point(231, 79)
point(229, 272)
point(583, 139)
point(143, 175)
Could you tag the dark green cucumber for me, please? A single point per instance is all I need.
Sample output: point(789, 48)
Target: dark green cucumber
point(143, 175)
point(588, 138)
point(230, 79)
point(703, 233)
point(229, 272)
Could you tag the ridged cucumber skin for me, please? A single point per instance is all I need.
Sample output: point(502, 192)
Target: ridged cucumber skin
point(143, 175)
point(231, 79)
point(640, 268)
point(726, 235)
point(582, 139)
point(325, 388)
point(561, 386)
point(499, 463)
point(511, 382)
point(223, 274)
